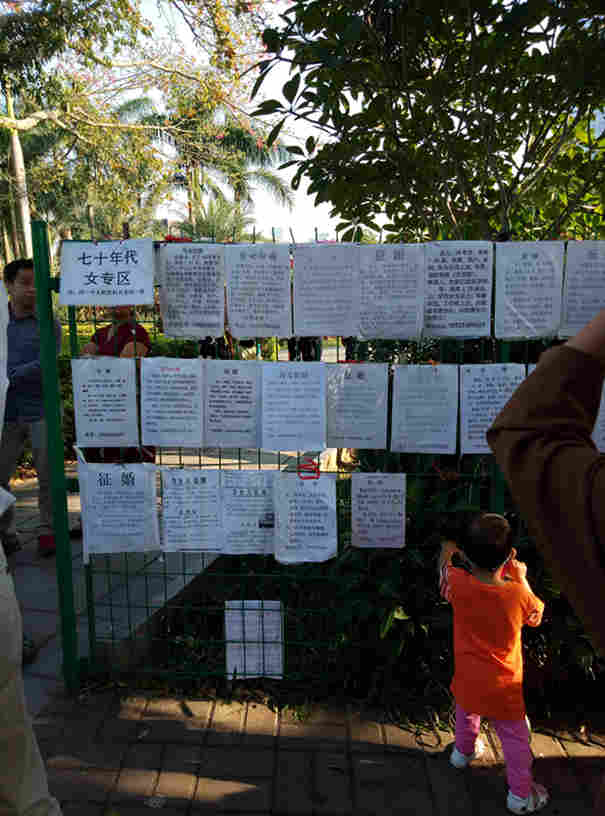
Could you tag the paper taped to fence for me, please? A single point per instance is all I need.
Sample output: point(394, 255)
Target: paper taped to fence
point(171, 402)
point(391, 278)
point(105, 402)
point(119, 508)
point(258, 290)
point(425, 408)
point(293, 406)
point(326, 290)
point(378, 510)
point(232, 404)
point(254, 639)
point(485, 390)
point(107, 273)
point(529, 277)
point(305, 518)
point(192, 289)
point(248, 507)
point(357, 405)
point(584, 290)
point(458, 293)
point(191, 510)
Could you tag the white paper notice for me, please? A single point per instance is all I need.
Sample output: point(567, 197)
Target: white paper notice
point(108, 273)
point(458, 289)
point(258, 290)
point(120, 513)
point(305, 518)
point(598, 433)
point(357, 405)
point(294, 406)
point(529, 277)
point(392, 290)
point(584, 290)
point(326, 290)
point(192, 289)
point(248, 511)
point(255, 642)
point(378, 509)
point(105, 402)
point(171, 402)
point(191, 510)
point(425, 408)
point(232, 403)
point(485, 390)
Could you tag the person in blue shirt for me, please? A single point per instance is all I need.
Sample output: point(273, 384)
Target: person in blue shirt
point(24, 415)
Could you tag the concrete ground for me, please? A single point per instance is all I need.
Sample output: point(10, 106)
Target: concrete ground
point(120, 755)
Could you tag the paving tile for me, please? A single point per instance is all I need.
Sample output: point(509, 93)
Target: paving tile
point(449, 786)
point(139, 774)
point(80, 784)
point(178, 776)
point(322, 731)
point(260, 726)
point(366, 730)
point(332, 791)
point(36, 589)
point(226, 724)
point(488, 790)
point(224, 795)
point(237, 763)
point(122, 721)
point(294, 784)
point(392, 783)
point(83, 809)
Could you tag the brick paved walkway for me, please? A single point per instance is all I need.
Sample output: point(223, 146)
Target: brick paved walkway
point(120, 757)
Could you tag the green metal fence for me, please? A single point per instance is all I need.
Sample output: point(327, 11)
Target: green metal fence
point(162, 615)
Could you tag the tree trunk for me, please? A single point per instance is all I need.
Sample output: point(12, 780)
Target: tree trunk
point(6, 244)
point(19, 181)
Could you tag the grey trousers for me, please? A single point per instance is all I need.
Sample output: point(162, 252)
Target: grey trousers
point(14, 438)
point(23, 782)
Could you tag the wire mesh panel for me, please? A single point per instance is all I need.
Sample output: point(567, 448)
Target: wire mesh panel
point(345, 623)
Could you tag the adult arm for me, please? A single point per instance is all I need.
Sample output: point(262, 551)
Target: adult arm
point(542, 443)
point(29, 373)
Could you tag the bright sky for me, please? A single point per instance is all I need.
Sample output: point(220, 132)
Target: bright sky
point(305, 218)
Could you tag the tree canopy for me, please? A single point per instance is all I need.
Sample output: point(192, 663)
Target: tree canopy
point(463, 119)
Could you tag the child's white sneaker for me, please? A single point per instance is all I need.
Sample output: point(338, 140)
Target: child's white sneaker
point(536, 800)
point(460, 760)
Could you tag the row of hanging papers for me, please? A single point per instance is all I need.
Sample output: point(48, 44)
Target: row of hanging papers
point(195, 403)
point(401, 291)
point(234, 512)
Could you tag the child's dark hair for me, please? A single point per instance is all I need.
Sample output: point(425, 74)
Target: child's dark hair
point(488, 541)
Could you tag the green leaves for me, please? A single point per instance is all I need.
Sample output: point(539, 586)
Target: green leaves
point(291, 87)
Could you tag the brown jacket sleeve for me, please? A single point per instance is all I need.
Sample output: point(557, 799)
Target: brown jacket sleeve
point(542, 442)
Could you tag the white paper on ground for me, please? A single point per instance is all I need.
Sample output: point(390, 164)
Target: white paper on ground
point(305, 518)
point(584, 288)
point(119, 508)
point(458, 292)
point(192, 289)
point(232, 403)
point(105, 402)
point(326, 290)
point(425, 408)
point(258, 290)
point(191, 510)
point(378, 510)
point(357, 405)
point(392, 280)
point(254, 636)
point(107, 273)
point(294, 406)
point(172, 402)
point(484, 391)
point(529, 277)
point(248, 511)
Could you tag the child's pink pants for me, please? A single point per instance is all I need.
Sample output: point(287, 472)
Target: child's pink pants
point(513, 735)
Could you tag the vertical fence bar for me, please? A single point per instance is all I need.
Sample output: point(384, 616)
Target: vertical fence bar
point(50, 382)
point(498, 484)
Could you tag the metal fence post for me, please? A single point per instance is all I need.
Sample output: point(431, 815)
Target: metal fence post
point(52, 413)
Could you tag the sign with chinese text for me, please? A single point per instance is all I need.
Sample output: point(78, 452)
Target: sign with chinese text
point(106, 273)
